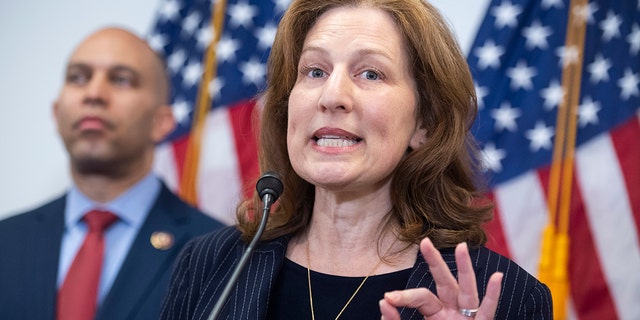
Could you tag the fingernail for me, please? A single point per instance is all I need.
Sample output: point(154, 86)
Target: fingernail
point(393, 295)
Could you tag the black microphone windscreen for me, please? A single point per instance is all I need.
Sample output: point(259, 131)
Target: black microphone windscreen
point(269, 183)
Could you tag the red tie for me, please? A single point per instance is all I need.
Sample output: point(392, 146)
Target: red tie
point(78, 296)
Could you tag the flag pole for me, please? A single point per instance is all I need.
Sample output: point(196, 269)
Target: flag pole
point(188, 183)
point(556, 241)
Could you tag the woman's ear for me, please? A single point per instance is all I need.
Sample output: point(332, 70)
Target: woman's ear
point(418, 138)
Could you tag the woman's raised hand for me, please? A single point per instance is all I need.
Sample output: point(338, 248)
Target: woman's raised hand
point(455, 299)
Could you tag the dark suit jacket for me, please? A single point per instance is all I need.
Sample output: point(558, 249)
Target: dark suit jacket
point(206, 264)
point(30, 250)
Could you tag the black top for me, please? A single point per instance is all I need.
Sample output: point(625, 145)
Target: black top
point(290, 296)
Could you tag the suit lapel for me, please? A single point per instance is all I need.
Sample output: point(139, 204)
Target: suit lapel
point(146, 266)
point(43, 270)
point(254, 285)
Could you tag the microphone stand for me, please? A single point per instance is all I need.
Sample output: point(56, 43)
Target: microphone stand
point(267, 200)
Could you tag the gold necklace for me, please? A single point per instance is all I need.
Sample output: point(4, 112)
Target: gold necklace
point(313, 316)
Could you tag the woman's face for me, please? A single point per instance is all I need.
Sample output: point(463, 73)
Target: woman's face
point(352, 109)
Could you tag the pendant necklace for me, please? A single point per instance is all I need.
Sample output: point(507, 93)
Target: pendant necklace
point(313, 317)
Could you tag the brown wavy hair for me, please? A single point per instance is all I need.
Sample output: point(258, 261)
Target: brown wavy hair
point(434, 187)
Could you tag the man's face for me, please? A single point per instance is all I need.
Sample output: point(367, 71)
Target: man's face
point(110, 111)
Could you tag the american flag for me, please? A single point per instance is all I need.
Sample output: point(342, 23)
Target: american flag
point(516, 61)
point(226, 165)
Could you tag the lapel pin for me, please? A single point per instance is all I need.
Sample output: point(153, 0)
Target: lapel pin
point(161, 240)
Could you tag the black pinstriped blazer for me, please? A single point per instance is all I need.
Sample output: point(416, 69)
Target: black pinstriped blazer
point(207, 262)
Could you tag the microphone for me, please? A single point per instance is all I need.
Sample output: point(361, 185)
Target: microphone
point(269, 188)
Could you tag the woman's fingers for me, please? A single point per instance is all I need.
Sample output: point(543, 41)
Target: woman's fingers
point(489, 304)
point(453, 295)
point(468, 295)
point(388, 311)
point(419, 298)
point(446, 284)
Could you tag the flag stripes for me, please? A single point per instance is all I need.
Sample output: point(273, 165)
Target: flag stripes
point(605, 251)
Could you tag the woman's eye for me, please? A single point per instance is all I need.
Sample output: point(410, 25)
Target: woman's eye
point(370, 75)
point(316, 73)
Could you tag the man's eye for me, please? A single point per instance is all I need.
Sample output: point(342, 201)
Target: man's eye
point(77, 78)
point(122, 81)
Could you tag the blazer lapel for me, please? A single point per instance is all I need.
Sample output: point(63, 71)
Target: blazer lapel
point(149, 268)
point(255, 282)
point(42, 271)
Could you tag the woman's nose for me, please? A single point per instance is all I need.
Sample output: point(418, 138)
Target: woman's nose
point(337, 92)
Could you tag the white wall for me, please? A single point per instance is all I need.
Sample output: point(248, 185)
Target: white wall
point(36, 37)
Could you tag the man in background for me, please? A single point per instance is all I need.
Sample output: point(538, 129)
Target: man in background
point(105, 249)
